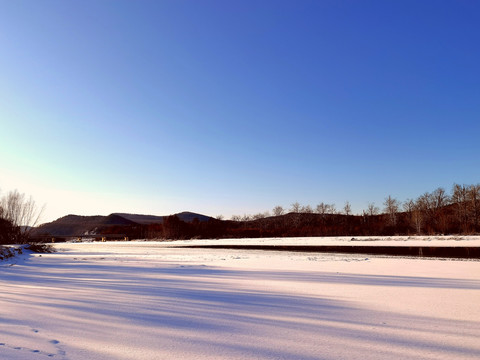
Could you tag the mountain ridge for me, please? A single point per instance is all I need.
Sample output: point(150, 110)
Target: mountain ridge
point(77, 225)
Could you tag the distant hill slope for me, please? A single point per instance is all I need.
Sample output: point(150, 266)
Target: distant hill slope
point(189, 216)
point(153, 219)
point(142, 219)
point(80, 225)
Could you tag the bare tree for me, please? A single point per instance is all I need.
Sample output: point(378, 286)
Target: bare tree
point(236, 218)
point(439, 198)
point(425, 207)
point(474, 200)
point(466, 201)
point(425, 202)
point(347, 208)
point(413, 214)
point(430, 205)
point(306, 209)
point(408, 206)
point(460, 197)
point(417, 217)
point(21, 212)
point(257, 216)
point(322, 208)
point(372, 209)
point(278, 210)
point(261, 215)
point(246, 217)
point(391, 209)
point(332, 209)
point(295, 207)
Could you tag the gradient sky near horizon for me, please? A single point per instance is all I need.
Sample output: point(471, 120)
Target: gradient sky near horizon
point(233, 107)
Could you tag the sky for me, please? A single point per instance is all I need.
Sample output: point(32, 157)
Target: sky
point(234, 107)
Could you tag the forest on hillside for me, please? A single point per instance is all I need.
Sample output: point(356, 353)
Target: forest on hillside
point(436, 212)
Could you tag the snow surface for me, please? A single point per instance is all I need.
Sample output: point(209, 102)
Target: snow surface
point(149, 300)
point(450, 240)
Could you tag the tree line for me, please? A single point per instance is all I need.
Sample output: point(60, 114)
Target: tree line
point(436, 212)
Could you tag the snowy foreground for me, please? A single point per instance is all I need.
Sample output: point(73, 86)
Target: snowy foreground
point(145, 300)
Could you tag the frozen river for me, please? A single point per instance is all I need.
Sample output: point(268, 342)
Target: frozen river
point(144, 300)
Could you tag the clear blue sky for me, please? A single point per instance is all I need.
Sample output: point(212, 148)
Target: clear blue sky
point(233, 107)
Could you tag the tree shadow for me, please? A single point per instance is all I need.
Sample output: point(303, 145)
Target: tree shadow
point(212, 310)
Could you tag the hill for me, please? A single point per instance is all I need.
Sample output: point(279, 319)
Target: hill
point(76, 225)
point(80, 225)
point(185, 216)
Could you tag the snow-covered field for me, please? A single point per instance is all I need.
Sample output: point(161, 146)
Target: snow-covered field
point(149, 300)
